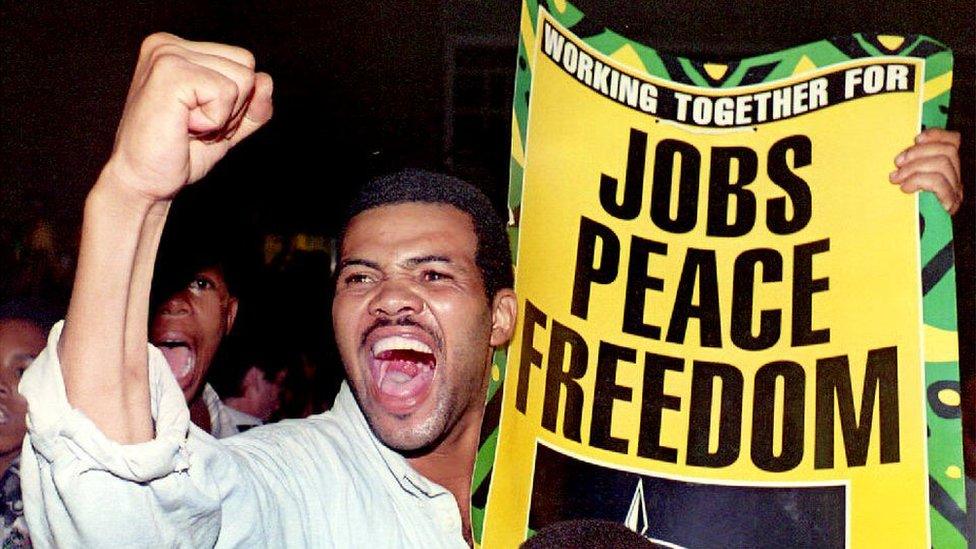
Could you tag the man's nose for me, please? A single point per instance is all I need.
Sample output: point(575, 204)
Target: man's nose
point(395, 298)
point(176, 305)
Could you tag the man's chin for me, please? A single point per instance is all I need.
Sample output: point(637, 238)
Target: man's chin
point(191, 389)
point(404, 441)
point(12, 442)
point(403, 425)
point(410, 431)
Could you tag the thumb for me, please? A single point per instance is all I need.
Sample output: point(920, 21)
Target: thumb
point(259, 110)
point(201, 122)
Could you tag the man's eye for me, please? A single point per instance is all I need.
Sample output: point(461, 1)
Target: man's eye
point(21, 363)
point(434, 276)
point(357, 278)
point(201, 283)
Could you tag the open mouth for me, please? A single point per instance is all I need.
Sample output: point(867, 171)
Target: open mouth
point(179, 355)
point(402, 369)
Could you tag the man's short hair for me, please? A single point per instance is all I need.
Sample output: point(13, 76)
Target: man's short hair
point(492, 253)
point(240, 353)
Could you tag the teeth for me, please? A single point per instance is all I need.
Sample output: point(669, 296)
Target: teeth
point(400, 343)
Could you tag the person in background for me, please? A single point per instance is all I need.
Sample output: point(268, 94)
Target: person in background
point(194, 302)
point(249, 376)
point(23, 326)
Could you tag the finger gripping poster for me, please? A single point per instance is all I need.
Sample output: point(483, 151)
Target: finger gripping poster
point(733, 330)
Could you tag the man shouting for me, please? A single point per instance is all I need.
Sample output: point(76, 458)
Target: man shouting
point(423, 294)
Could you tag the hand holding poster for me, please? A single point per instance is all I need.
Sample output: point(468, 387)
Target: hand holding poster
point(722, 338)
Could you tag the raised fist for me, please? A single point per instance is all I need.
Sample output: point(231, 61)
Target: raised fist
point(188, 104)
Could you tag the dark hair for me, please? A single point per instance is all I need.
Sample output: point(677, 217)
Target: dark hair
point(196, 238)
point(492, 254)
point(587, 533)
point(238, 354)
point(35, 310)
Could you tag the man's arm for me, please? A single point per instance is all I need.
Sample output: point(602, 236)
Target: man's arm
point(189, 103)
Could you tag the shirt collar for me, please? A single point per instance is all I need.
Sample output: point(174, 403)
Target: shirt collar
point(221, 424)
point(406, 476)
point(238, 418)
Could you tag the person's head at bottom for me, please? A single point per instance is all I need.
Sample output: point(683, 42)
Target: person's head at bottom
point(423, 295)
point(22, 338)
point(587, 534)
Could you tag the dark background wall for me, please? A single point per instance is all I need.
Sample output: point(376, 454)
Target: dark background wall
point(361, 87)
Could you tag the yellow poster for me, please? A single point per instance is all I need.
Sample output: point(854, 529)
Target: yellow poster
point(720, 336)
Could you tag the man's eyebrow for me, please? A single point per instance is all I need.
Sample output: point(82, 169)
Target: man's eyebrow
point(357, 261)
point(433, 258)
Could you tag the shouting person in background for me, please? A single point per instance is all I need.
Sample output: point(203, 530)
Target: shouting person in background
point(195, 300)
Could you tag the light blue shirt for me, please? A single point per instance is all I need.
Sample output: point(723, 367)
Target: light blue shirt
point(325, 481)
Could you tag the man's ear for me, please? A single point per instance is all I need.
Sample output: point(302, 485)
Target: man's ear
point(231, 315)
point(251, 381)
point(504, 310)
